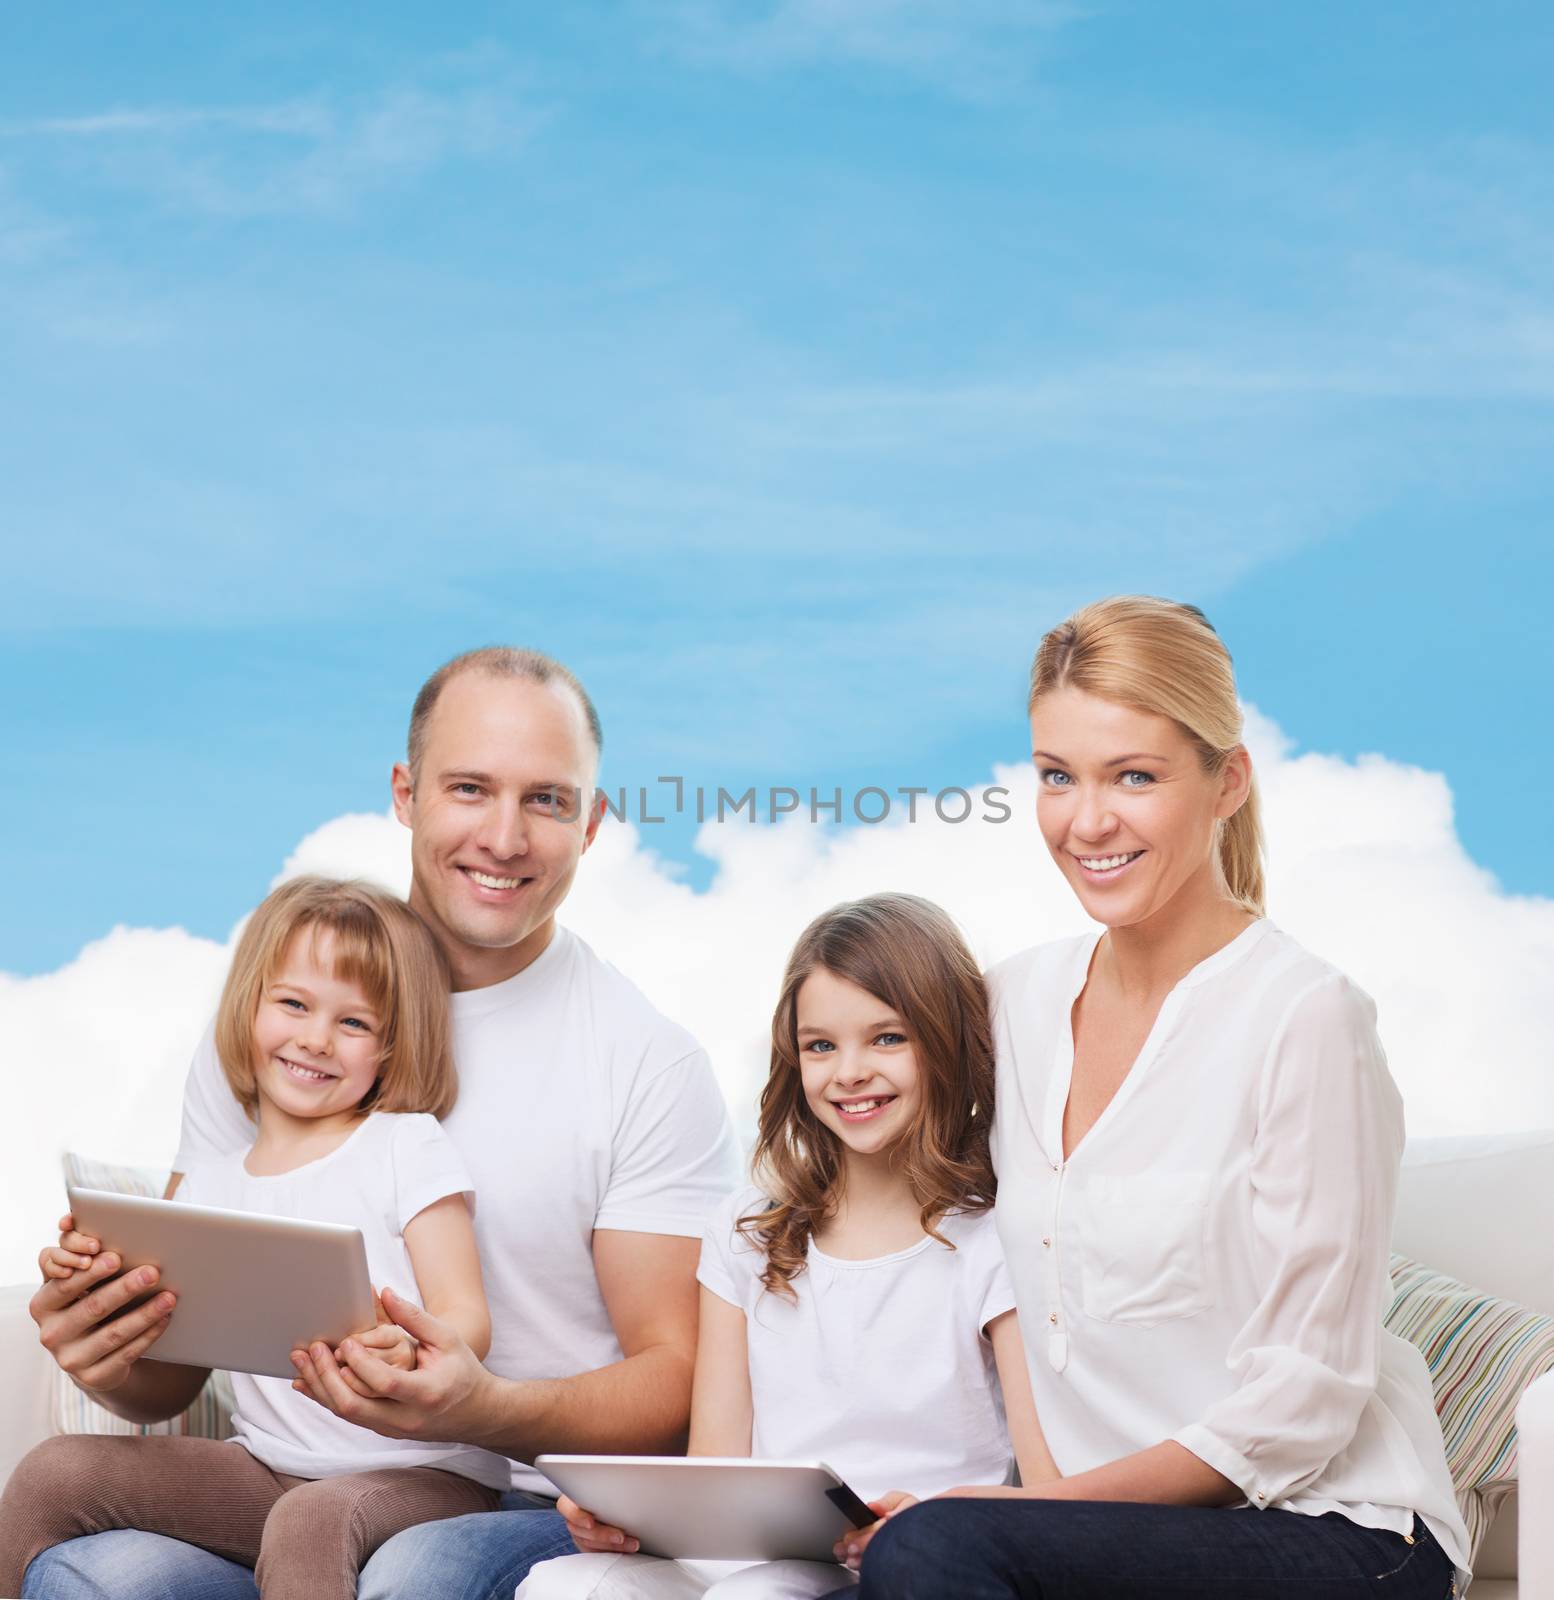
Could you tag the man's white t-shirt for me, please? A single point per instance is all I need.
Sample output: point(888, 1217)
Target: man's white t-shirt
point(881, 1368)
point(580, 1107)
point(383, 1176)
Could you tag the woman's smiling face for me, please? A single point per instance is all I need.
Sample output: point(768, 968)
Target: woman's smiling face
point(1125, 806)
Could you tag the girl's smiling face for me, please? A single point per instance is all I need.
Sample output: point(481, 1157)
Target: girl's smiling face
point(1125, 806)
point(317, 1038)
point(857, 1060)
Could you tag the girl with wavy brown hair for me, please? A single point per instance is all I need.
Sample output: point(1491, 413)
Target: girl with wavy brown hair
point(854, 1306)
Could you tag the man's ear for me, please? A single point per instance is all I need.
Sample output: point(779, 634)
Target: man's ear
point(595, 817)
point(403, 790)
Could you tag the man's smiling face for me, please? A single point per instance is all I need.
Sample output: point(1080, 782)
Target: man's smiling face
point(499, 813)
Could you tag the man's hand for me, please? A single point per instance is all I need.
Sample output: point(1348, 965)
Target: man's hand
point(81, 1318)
point(850, 1547)
point(442, 1398)
point(590, 1535)
point(386, 1340)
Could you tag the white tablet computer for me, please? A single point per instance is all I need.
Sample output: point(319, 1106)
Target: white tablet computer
point(715, 1508)
point(251, 1289)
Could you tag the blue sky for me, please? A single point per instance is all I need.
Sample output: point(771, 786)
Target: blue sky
point(785, 367)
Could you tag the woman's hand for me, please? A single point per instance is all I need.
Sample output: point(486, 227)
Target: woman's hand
point(590, 1535)
point(850, 1547)
point(74, 1253)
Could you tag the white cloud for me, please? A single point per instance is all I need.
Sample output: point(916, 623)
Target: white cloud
point(970, 47)
point(1365, 868)
point(298, 117)
point(96, 1055)
point(27, 236)
point(318, 154)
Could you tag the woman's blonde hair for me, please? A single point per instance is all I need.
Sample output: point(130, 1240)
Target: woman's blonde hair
point(379, 944)
point(910, 956)
point(1163, 657)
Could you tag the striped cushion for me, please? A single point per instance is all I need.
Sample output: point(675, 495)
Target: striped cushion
point(210, 1417)
point(1482, 1353)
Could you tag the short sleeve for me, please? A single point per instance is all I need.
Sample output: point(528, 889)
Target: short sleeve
point(426, 1166)
point(673, 1156)
point(990, 1289)
point(729, 1260)
point(1324, 1178)
point(214, 1124)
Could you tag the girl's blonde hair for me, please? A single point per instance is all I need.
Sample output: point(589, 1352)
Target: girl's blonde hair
point(379, 944)
point(909, 955)
point(1165, 658)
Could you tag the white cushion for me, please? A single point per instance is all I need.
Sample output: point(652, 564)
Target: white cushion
point(1476, 1208)
point(1466, 1205)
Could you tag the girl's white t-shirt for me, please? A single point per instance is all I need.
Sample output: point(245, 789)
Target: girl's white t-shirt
point(581, 1108)
point(388, 1171)
point(879, 1368)
point(1209, 1264)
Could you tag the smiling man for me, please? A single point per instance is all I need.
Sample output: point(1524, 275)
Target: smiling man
point(593, 1131)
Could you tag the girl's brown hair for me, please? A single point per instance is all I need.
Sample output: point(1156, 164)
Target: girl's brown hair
point(908, 954)
point(1163, 657)
point(379, 944)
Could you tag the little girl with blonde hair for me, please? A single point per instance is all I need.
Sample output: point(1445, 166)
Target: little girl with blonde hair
point(333, 1033)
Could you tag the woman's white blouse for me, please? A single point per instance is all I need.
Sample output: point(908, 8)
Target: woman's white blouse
point(1209, 1265)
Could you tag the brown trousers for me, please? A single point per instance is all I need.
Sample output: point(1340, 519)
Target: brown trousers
point(305, 1538)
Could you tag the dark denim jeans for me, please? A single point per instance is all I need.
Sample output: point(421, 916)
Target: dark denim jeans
point(1088, 1550)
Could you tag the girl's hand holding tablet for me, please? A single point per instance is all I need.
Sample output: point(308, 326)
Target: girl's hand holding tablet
point(84, 1291)
point(591, 1536)
point(849, 1550)
point(392, 1346)
point(445, 1394)
point(387, 1341)
point(74, 1253)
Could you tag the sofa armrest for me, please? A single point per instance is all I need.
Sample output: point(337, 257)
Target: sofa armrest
point(1535, 1489)
point(26, 1387)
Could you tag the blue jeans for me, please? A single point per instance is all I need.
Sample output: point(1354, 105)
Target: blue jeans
point(1086, 1550)
point(480, 1557)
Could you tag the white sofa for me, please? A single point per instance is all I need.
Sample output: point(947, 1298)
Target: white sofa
point(1480, 1209)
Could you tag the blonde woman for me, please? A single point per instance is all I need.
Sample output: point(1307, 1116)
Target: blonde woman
point(1197, 1147)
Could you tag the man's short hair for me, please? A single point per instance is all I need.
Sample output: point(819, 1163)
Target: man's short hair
point(499, 661)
